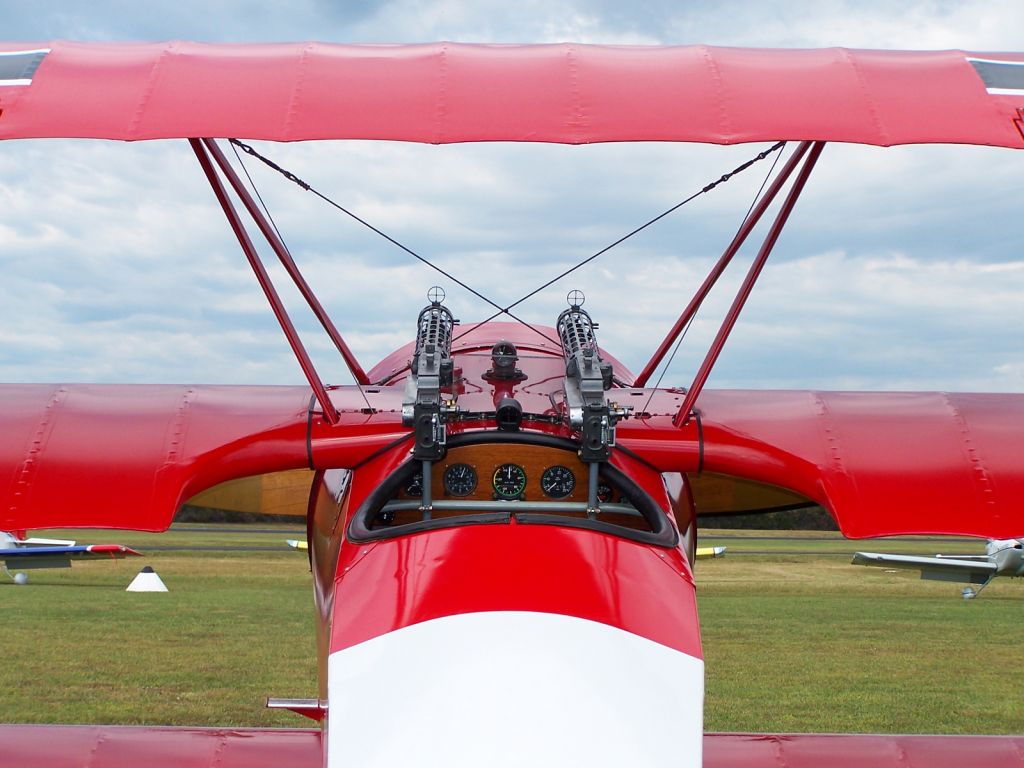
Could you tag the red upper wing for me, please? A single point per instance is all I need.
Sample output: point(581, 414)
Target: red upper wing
point(446, 92)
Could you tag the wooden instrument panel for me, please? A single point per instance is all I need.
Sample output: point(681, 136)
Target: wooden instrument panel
point(486, 458)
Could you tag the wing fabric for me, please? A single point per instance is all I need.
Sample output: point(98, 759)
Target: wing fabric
point(936, 568)
point(112, 746)
point(23, 558)
point(883, 463)
point(127, 456)
point(449, 92)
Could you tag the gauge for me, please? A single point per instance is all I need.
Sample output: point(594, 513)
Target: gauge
point(415, 485)
point(557, 482)
point(509, 481)
point(604, 493)
point(460, 479)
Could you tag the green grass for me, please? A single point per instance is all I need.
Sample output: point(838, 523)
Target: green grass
point(792, 642)
point(234, 628)
point(811, 643)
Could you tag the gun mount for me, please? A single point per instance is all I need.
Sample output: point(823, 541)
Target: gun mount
point(423, 407)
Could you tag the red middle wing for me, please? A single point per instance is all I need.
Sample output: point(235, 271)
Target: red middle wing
point(883, 463)
point(127, 456)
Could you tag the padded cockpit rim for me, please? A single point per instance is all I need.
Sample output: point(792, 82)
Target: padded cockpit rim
point(662, 533)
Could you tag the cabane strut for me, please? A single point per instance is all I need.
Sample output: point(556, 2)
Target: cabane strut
point(205, 149)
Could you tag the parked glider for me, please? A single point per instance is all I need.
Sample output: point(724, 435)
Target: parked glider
point(1003, 557)
point(20, 554)
point(501, 518)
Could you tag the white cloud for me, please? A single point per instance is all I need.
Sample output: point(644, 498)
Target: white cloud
point(899, 268)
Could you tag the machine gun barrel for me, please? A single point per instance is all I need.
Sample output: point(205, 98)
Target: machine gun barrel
point(586, 379)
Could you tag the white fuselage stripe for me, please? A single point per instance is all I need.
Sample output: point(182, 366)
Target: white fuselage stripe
point(511, 688)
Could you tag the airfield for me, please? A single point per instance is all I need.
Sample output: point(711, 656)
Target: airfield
point(795, 638)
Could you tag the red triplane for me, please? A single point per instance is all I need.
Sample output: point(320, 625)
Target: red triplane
point(502, 517)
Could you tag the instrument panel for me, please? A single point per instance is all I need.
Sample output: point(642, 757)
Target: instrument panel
point(508, 472)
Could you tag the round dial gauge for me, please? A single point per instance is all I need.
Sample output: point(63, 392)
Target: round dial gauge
point(414, 486)
point(509, 481)
point(604, 493)
point(557, 482)
point(460, 479)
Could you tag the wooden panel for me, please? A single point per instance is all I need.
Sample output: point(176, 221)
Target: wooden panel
point(534, 459)
point(274, 493)
point(722, 494)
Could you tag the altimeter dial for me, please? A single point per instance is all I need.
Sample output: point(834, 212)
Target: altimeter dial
point(557, 482)
point(460, 480)
point(509, 481)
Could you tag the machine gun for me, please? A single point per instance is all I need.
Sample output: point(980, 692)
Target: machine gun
point(423, 407)
point(587, 377)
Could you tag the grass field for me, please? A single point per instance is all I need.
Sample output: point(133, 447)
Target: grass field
point(795, 638)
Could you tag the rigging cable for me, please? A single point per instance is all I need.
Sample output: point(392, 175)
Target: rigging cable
point(707, 188)
point(280, 237)
point(757, 196)
point(309, 188)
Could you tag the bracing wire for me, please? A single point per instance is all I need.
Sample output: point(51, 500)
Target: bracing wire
point(270, 218)
point(309, 188)
point(679, 341)
point(704, 190)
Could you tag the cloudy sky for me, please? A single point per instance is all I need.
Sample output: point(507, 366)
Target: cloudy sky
point(901, 268)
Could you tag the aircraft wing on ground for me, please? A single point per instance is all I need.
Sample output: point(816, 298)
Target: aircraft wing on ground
point(25, 558)
point(936, 568)
point(706, 553)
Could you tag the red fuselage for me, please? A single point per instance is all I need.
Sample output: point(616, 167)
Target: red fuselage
point(392, 591)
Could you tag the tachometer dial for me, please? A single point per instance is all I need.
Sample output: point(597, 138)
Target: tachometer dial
point(460, 479)
point(557, 482)
point(509, 481)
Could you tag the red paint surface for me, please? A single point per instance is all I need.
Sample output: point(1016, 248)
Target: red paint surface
point(446, 92)
point(884, 463)
point(127, 456)
point(106, 746)
point(110, 746)
point(113, 550)
point(387, 585)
